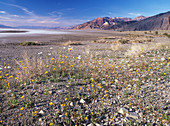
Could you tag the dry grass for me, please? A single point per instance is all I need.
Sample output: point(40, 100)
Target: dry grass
point(137, 49)
point(71, 43)
point(116, 47)
point(30, 66)
point(30, 43)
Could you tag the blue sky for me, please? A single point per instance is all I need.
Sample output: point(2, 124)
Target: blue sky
point(54, 13)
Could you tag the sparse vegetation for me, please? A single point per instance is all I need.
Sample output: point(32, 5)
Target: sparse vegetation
point(156, 32)
point(167, 35)
point(91, 88)
point(29, 43)
point(71, 43)
point(123, 41)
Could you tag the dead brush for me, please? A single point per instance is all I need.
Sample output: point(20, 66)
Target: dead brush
point(137, 49)
point(29, 67)
point(71, 43)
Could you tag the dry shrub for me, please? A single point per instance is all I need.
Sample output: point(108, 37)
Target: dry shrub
point(71, 43)
point(30, 43)
point(29, 67)
point(137, 49)
point(116, 47)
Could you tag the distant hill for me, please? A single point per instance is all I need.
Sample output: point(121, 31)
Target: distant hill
point(108, 22)
point(4, 26)
point(157, 22)
point(34, 27)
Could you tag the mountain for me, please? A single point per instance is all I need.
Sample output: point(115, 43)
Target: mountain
point(157, 22)
point(139, 18)
point(141, 23)
point(102, 23)
point(4, 26)
point(107, 22)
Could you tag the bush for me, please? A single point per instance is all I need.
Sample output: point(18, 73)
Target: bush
point(123, 41)
point(167, 35)
point(156, 32)
point(28, 43)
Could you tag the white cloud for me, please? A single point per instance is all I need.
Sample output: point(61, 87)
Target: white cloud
point(134, 14)
point(20, 7)
point(2, 12)
point(54, 19)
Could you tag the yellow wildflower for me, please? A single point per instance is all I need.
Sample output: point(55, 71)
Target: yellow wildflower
point(22, 97)
point(66, 56)
point(92, 85)
point(105, 91)
point(0, 121)
point(35, 112)
point(164, 73)
point(81, 88)
point(51, 124)
point(0, 77)
point(22, 108)
point(46, 72)
point(69, 49)
point(86, 118)
point(66, 98)
point(20, 114)
point(52, 58)
point(113, 118)
point(51, 103)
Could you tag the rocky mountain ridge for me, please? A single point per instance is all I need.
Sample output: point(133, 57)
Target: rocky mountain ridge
point(141, 23)
point(107, 22)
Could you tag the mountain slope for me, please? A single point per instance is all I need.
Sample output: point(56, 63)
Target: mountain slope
point(157, 22)
point(108, 22)
point(102, 23)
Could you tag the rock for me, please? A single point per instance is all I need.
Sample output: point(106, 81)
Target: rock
point(97, 124)
point(141, 114)
point(50, 92)
point(123, 111)
point(132, 115)
point(42, 112)
point(71, 104)
point(82, 101)
point(91, 124)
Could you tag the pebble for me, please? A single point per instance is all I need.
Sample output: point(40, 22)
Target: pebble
point(123, 111)
point(82, 101)
point(132, 115)
point(42, 112)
